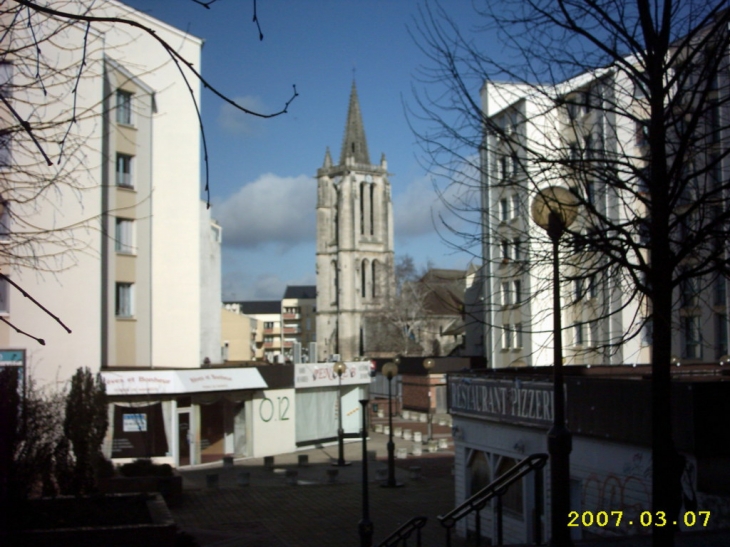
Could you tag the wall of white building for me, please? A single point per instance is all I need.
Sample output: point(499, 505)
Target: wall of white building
point(70, 285)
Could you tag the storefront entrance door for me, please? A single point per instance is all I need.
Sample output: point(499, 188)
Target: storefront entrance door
point(183, 437)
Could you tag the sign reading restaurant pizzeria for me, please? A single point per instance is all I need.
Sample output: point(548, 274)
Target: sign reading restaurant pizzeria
point(502, 400)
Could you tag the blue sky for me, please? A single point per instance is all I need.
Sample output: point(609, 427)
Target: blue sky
point(262, 184)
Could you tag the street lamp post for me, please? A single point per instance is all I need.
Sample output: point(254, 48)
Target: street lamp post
point(365, 528)
point(339, 367)
point(554, 209)
point(428, 364)
point(390, 370)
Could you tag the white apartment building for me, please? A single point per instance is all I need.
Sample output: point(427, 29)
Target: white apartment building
point(119, 251)
point(602, 322)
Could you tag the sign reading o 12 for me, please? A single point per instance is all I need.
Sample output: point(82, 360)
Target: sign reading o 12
point(277, 411)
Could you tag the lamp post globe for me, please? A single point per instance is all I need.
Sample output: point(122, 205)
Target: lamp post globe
point(340, 368)
point(554, 209)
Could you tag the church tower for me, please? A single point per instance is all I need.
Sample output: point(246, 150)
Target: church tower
point(354, 242)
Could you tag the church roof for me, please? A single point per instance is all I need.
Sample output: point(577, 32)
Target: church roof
point(354, 142)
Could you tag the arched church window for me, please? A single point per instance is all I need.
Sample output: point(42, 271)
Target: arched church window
point(335, 284)
point(374, 277)
point(372, 209)
point(362, 207)
point(364, 278)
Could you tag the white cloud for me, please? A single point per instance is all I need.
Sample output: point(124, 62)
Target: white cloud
point(237, 122)
point(270, 210)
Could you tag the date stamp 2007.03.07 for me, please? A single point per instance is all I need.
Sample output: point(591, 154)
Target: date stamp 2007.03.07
point(615, 519)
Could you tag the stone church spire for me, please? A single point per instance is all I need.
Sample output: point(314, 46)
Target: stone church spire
point(354, 143)
point(354, 246)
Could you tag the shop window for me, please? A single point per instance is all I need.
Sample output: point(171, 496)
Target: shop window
point(480, 474)
point(512, 500)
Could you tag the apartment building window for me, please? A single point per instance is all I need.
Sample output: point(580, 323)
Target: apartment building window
point(647, 332)
point(518, 335)
point(588, 147)
point(268, 324)
point(692, 337)
point(720, 335)
point(642, 133)
point(593, 334)
point(124, 300)
point(591, 192)
point(516, 206)
point(124, 171)
point(6, 138)
point(506, 336)
point(715, 125)
point(592, 287)
point(578, 289)
point(505, 249)
point(504, 209)
point(4, 296)
point(506, 294)
point(689, 293)
point(124, 236)
point(6, 79)
point(504, 167)
point(578, 338)
point(517, 286)
point(720, 291)
point(517, 248)
point(124, 107)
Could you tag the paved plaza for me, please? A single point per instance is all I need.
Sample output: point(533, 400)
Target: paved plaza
point(253, 505)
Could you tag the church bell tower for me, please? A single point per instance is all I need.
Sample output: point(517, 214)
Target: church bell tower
point(354, 242)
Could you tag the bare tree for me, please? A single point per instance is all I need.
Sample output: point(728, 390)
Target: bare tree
point(625, 103)
point(51, 53)
point(411, 321)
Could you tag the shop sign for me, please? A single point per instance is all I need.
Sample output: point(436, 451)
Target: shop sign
point(162, 382)
point(321, 374)
point(502, 400)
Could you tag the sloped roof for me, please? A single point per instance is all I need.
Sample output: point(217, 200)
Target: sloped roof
point(301, 291)
point(444, 291)
point(354, 142)
point(260, 306)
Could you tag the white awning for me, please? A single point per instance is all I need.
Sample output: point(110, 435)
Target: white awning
point(163, 382)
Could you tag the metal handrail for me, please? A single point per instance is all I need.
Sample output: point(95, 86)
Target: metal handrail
point(404, 533)
point(497, 488)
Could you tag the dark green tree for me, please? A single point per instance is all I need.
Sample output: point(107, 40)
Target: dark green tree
point(85, 426)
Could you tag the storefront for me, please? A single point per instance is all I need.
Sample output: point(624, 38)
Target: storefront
point(181, 417)
point(319, 399)
point(500, 417)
